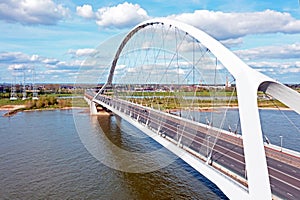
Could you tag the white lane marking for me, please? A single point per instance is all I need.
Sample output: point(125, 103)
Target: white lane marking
point(290, 194)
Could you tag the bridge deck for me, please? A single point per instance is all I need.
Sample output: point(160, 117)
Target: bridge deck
point(227, 154)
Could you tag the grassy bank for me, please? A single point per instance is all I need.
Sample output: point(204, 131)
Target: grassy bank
point(45, 102)
point(49, 100)
point(164, 103)
point(204, 93)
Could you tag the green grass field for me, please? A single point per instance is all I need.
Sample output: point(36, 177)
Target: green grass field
point(47, 101)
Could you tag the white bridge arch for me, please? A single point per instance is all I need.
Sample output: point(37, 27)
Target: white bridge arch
point(248, 82)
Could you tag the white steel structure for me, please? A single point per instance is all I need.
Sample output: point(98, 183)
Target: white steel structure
point(248, 83)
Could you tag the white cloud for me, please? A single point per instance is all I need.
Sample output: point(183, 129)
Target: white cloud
point(279, 70)
point(85, 11)
point(186, 46)
point(285, 72)
point(281, 65)
point(13, 57)
point(220, 25)
point(82, 52)
point(50, 61)
point(235, 25)
point(120, 67)
point(25, 59)
point(77, 64)
point(233, 42)
point(119, 16)
point(34, 58)
point(289, 51)
point(17, 67)
point(68, 64)
point(180, 71)
point(44, 12)
point(14, 64)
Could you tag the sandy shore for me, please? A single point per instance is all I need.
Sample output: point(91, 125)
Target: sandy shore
point(11, 107)
point(14, 109)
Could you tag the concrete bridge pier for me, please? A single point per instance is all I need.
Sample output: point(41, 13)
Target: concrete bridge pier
point(93, 108)
point(97, 109)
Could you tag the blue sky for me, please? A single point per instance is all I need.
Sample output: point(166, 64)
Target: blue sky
point(55, 36)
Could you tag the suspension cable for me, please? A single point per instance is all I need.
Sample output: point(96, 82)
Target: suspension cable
point(292, 123)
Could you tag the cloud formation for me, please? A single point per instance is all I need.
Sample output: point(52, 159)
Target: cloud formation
point(18, 57)
point(120, 16)
point(232, 42)
point(85, 11)
point(289, 51)
point(277, 68)
point(82, 52)
point(15, 63)
point(32, 12)
point(221, 25)
point(17, 67)
point(224, 26)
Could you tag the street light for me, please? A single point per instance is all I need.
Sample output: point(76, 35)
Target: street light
point(207, 145)
point(281, 142)
point(177, 134)
point(207, 152)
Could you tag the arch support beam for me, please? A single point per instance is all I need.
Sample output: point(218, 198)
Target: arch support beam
point(255, 158)
point(286, 95)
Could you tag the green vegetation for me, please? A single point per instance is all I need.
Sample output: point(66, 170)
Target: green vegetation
point(47, 102)
point(266, 103)
point(44, 102)
point(169, 103)
point(204, 93)
point(6, 101)
point(59, 95)
point(79, 102)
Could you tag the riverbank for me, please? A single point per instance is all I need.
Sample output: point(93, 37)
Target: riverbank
point(12, 110)
point(46, 102)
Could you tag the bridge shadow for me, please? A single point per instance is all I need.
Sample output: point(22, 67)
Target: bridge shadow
point(121, 134)
point(201, 178)
point(176, 181)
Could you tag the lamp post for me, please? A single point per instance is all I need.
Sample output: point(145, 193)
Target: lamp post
point(207, 145)
point(208, 161)
point(281, 142)
point(177, 134)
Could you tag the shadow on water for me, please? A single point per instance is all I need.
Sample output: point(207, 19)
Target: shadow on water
point(202, 179)
point(175, 181)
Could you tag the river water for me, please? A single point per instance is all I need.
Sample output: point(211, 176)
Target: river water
point(61, 155)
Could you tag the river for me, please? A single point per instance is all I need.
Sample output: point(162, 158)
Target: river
point(52, 155)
